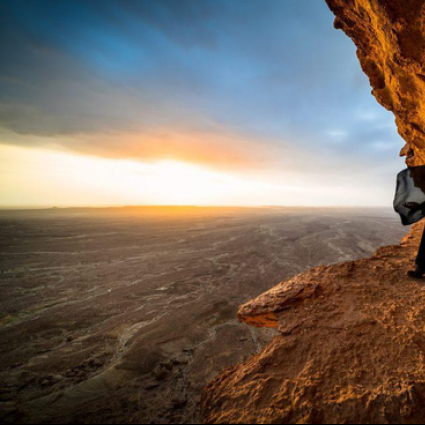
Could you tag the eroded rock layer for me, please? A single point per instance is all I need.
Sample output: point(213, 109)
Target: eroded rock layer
point(350, 348)
point(390, 37)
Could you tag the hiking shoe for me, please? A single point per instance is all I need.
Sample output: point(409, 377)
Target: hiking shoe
point(418, 273)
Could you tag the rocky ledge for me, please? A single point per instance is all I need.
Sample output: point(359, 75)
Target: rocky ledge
point(350, 348)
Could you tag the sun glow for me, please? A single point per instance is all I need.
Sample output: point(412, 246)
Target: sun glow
point(63, 179)
point(47, 178)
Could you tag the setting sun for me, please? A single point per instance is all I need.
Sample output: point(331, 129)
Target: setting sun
point(32, 177)
point(46, 175)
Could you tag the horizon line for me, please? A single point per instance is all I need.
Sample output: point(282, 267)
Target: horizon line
point(92, 207)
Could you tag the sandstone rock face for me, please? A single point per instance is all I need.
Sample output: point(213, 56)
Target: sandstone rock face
point(350, 348)
point(390, 37)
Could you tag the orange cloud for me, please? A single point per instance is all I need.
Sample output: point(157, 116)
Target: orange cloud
point(215, 147)
point(218, 149)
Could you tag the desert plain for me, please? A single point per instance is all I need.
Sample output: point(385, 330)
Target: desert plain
point(124, 315)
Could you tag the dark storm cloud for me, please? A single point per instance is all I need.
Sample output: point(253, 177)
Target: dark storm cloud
point(272, 72)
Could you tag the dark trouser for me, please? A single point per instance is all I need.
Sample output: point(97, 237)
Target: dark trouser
point(420, 259)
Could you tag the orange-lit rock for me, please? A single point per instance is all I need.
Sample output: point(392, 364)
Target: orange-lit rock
point(390, 38)
point(350, 348)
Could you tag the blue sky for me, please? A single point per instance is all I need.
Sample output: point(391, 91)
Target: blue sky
point(265, 88)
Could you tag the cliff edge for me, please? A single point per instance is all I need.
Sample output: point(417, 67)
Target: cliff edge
point(350, 348)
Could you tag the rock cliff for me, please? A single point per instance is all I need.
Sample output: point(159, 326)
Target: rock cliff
point(350, 348)
point(390, 40)
point(350, 344)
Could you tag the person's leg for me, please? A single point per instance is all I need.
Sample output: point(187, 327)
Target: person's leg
point(419, 271)
point(420, 259)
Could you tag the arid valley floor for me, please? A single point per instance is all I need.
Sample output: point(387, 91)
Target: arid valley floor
point(124, 315)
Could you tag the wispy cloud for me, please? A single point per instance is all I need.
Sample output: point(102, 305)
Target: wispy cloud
point(258, 84)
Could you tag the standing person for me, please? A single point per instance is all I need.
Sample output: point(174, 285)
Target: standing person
point(409, 202)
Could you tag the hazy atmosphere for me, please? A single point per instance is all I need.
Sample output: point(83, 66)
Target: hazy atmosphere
point(192, 102)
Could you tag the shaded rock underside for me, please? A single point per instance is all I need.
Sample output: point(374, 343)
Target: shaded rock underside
point(390, 38)
point(350, 349)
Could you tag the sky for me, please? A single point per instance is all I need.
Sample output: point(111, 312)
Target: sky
point(188, 102)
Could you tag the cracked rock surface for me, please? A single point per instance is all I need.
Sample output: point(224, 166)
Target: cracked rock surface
point(350, 349)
